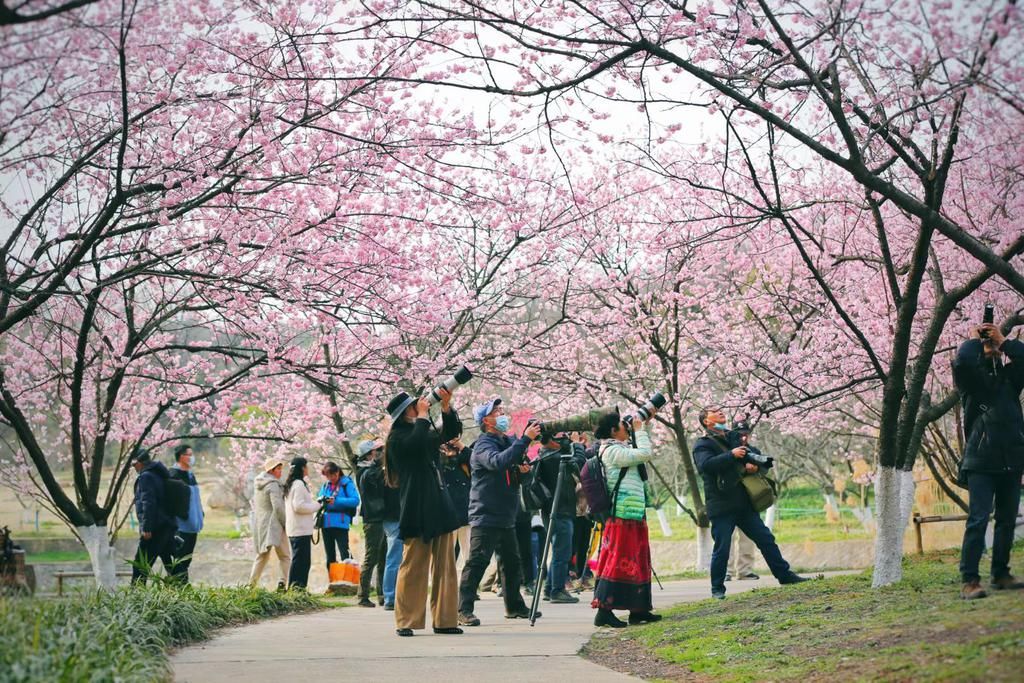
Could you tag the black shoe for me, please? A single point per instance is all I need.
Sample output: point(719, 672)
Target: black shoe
point(718, 595)
point(605, 617)
point(521, 613)
point(546, 597)
point(643, 618)
point(468, 620)
point(380, 602)
point(563, 598)
point(449, 631)
point(389, 608)
point(280, 586)
point(365, 602)
point(404, 632)
point(728, 576)
point(792, 578)
point(747, 576)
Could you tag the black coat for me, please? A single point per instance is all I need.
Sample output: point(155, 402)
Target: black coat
point(721, 472)
point(150, 489)
point(990, 393)
point(413, 449)
point(378, 501)
point(547, 471)
point(458, 483)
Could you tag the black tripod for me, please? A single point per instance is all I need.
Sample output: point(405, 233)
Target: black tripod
point(564, 460)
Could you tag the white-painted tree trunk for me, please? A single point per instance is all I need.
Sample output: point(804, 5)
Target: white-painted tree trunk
point(101, 555)
point(894, 502)
point(704, 545)
point(770, 516)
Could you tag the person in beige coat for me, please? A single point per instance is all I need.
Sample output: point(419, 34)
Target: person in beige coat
point(268, 522)
point(300, 521)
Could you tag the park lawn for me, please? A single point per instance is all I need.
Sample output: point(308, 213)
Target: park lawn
point(833, 629)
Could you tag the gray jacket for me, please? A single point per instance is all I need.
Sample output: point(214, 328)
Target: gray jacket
point(267, 512)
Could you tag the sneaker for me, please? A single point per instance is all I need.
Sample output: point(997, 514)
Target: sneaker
point(521, 613)
point(468, 620)
point(718, 595)
point(449, 631)
point(404, 632)
point(972, 590)
point(1008, 582)
point(605, 617)
point(792, 578)
point(748, 576)
point(365, 602)
point(562, 597)
point(389, 608)
point(643, 618)
point(728, 576)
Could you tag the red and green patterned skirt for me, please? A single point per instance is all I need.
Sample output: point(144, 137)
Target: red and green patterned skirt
point(624, 567)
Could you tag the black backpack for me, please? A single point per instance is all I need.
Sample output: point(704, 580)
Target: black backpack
point(177, 497)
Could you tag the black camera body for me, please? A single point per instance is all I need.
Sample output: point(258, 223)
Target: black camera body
point(736, 439)
point(987, 318)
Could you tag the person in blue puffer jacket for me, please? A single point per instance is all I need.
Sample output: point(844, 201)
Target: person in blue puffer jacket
point(188, 527)
point(340, 498)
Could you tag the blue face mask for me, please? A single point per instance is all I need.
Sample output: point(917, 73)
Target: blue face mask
point(720, 427)
point(502, 423)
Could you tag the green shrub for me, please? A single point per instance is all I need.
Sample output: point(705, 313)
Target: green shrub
point(123, 636)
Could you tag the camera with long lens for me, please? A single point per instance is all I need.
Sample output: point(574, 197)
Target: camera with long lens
point(462, 376)
point(581, 422)
point(655, 402)
point(737, 439)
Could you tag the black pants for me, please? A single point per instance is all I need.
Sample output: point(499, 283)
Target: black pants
point(582, 529)
point(1000, 492)
point(160, 544)
point(524, 538)
point(376, 549)
point(484, 542)
point(298, 575)
point(335, 538)
point(183, 555)
point(750, 523)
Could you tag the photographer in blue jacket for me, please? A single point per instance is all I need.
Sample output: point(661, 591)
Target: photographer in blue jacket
point(339, 497)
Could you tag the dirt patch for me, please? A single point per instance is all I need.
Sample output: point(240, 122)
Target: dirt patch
point(629, 657)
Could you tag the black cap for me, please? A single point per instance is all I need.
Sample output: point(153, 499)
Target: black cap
point(141, 455)
point(398, 404)
point(742, 426)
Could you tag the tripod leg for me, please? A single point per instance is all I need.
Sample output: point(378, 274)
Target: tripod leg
point(547, 542)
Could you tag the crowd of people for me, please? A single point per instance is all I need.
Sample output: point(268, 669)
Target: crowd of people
point(437, 514)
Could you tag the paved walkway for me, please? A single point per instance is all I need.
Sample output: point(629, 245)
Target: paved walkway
point(359, 644)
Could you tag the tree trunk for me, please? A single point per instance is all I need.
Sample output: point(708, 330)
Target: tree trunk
point(704, 545)
point(101, 554)
point(894, 500)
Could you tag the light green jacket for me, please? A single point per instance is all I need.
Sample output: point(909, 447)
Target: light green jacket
point(633, 496)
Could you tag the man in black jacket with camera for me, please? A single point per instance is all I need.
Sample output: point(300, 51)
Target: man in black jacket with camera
point(728, 505)
point(994, 454)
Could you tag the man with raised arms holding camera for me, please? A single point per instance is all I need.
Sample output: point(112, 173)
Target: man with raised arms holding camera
point(994, 454)
point(728, 504)
point(497, 463)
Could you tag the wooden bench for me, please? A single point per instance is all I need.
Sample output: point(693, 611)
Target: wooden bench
point(60, 576)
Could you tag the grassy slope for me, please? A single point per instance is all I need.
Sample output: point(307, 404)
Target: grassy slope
point(838, 629)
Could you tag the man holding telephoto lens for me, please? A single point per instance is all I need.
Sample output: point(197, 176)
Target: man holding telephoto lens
point(497, 463)
point(994, 454)
point(728, 505)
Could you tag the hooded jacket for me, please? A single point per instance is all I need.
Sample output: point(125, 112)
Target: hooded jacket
point(458, 479)
point(494, 492)
point(268, 512)
point(150, 489)
point(413, 450)
point(380, 503)
point(300, 510)
point(990, 393)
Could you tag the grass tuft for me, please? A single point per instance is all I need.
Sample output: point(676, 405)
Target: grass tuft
point(123, 635)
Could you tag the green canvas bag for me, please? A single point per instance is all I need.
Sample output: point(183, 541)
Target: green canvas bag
point(762, 490)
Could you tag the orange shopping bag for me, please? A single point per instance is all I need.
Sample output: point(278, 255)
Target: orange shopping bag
point(346, 571)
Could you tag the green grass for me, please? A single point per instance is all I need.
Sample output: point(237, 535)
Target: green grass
point(123, 635)
point(58, 557)
point(842, 629)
